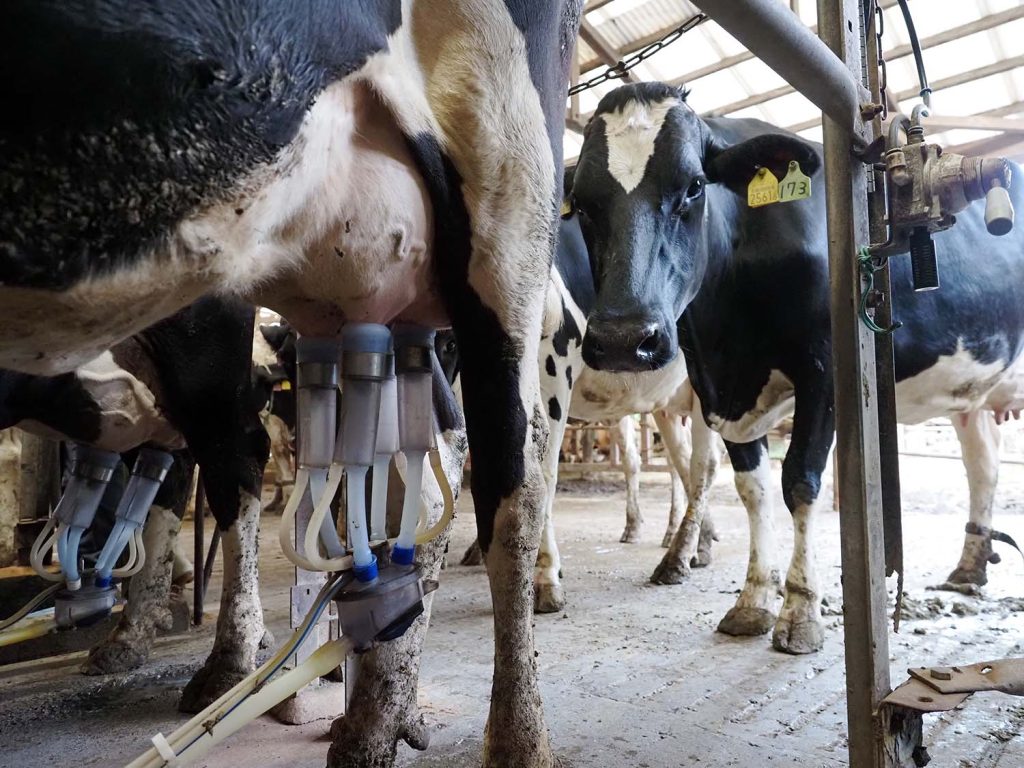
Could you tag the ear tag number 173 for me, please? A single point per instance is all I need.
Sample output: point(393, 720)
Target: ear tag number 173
point(795, 185)
point(763, 189)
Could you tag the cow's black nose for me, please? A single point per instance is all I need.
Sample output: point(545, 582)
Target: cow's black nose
point(637, 343)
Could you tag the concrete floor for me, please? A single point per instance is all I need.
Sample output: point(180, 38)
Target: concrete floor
point(632, 674)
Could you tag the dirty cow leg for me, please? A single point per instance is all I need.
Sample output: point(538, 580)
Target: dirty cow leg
point(979, 446)
point(625, 435)
point(675, 565)
point(799, 628)
point(240, 626)
point(676, 438)
point(129, 644)
point(383, 709)
point(549, 597)
point(753, 613)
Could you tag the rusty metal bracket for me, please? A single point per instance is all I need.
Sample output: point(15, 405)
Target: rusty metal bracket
point(938, 689)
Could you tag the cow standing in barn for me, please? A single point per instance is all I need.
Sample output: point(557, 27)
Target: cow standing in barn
point(682, 261)
point(343, 161)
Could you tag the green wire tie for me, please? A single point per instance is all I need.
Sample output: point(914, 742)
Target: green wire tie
point(868, 269)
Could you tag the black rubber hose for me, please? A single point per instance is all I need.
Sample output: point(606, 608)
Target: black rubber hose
point(915, 44)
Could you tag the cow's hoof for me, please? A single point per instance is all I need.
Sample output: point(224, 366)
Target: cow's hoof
point(630, 536)
point(548, 598)
point(701, 560)
point(267, 641)
point(207, 685)
point(961, 575)
point(801, 637)
point(474, 555)
point(744, 621)
point(670, 572)
point(113, 656)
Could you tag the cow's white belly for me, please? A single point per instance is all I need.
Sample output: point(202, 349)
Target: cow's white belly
point(774, 403)
point(129, 413)
point(599, 395)
point(957, 383)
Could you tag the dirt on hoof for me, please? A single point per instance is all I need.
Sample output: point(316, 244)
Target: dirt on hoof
point(548, 598)
point(744, 621)
point(113, 656)
point(800, 638)
point(474, 555)
point(976, 576)
point(670, 571)
point(701, 560)
point(207, 685)
point(630, 536)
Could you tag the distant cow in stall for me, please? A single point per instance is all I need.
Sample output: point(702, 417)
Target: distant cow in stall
point(345, 162)
point(682, 262)
point(185, 381)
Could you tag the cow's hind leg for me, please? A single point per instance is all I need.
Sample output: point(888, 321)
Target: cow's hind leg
point(979, 446)
point(128, 645)
point(625, 436)
point(383, 709)
point(675, 565)
point(799, 628)
point(753, 613)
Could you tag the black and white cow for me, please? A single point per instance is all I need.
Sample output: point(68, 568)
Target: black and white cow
point(185, 381)
point(682, 262)
point(371, 161)
point(571, 388)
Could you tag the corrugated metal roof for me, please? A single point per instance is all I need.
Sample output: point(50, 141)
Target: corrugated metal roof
point(740, 90)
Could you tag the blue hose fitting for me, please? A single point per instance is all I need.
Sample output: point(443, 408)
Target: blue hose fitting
point(403, 555)
point(366, 573)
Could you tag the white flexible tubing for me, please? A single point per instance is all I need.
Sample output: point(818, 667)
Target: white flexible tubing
point(446, 495)
point(379, 499)
point(287, 527)
point(136, 556)
point(199, 722)
point(320, 511)
point(40, 548)
point(321, 661)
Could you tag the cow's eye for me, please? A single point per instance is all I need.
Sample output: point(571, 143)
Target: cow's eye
point(696, 188)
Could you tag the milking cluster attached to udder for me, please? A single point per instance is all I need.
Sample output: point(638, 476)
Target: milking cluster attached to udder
point(88, 595)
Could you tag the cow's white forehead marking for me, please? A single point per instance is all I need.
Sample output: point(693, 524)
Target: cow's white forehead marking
point(630, 132)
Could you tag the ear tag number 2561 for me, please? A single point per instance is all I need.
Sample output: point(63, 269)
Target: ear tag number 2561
point(795, 185)
point(763, 189)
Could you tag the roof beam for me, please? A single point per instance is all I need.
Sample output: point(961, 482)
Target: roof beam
point(605, 50)
point(1007, 145)
point(980, 122)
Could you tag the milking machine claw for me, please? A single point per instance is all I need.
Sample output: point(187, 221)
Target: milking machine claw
point(384, 608)
point(83, 607)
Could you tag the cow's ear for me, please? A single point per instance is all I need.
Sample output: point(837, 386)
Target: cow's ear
point(736, 165)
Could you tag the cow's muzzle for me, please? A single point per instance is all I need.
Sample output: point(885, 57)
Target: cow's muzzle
point(629, 343)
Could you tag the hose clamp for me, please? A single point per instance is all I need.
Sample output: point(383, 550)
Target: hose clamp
point(312, 375)
point(150, 469)
point(413, 359)
point(96, 472)
point(364, 365)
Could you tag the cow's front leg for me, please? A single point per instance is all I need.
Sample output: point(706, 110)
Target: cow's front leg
point(240, 628)
point(675, 565)
point(549, 597)
point(625, 437)
point(799, 628)
point(979, 446)
point(754, 612)
point(383, 709)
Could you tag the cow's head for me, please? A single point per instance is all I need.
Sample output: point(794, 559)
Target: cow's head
point(641, 192)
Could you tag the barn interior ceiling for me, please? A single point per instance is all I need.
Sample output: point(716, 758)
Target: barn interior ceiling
point(973, 53)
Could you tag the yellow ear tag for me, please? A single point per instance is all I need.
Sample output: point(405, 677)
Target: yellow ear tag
point(283, 386)
point(763, 189)
point(566, 208)
point(795, 185)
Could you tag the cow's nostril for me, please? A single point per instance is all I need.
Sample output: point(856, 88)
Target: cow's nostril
point(650, 344)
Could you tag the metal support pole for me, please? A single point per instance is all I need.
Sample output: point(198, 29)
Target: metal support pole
point(853, 348)
point(199, 577)
point(773, 33)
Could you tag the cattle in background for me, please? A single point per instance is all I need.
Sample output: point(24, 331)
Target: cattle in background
point(744, 292)
point(184, 381)
point(273, 384)
point(343, 161)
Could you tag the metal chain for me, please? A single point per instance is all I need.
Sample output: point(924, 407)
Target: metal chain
point(882, 76)
point(618, 71)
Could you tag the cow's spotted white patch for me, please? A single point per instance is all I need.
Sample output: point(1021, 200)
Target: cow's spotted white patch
point(630, 133)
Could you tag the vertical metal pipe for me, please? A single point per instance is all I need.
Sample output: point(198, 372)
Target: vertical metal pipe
point(853, 350)
point(198, 579)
